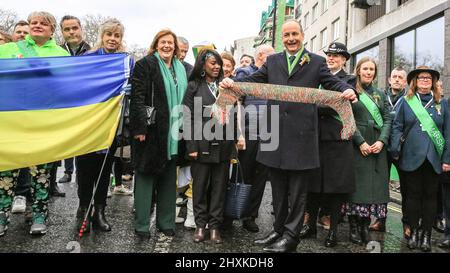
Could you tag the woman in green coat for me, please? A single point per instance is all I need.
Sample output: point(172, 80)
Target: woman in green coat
point(370, 147)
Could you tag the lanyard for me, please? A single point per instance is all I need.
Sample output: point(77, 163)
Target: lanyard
point(213, 88)
point(428, 103)
point(390, 101)
point(291, 66)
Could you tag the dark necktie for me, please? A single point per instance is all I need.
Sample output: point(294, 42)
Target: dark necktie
point(292, 59)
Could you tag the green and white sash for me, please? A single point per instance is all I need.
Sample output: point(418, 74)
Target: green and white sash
point(428, 124)
point(372, 107)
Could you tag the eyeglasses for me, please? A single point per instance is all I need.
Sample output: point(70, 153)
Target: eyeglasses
point(424, 78)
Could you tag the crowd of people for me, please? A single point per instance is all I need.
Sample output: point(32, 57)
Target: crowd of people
point(313, 172)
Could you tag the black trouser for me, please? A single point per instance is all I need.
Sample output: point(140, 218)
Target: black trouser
point(255, 174)
point(334, 202)
point(53, 173)
point(289, 191)
point(446, 201)
point(422, 185)
point(118, 170)
point(209, 190)
point(68, 165)
point(440, 204)
point(23, 187)
point(88, 170)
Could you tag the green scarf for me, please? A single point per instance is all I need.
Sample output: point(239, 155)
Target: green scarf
point(175, 95)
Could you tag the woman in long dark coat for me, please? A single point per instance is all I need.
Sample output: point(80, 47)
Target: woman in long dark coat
point(370, 153)
point(160, 81)
point(336, 178)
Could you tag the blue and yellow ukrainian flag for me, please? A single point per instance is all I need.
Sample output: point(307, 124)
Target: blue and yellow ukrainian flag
point(57, 108)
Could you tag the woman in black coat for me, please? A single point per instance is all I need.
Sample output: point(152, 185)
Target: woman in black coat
point(335, 179)
point(160, 81)
point(208, 148)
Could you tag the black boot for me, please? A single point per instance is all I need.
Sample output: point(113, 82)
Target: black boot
point(355, 236)
point(364, 223)
point(425, 240)
point(99, 220)
point(331, 240)
point(413, 240)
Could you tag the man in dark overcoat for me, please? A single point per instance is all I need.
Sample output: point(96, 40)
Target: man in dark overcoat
point(291, 164)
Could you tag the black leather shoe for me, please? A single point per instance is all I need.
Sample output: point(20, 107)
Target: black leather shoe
point(99, 220)
point(56, 191)
point(439, 225)
point(250, 225)
point(331, 240)
point(307, 232)
point(444, 244)
point(268, 239)
point(282, 245)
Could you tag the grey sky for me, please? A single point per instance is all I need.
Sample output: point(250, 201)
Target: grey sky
point(218, 21)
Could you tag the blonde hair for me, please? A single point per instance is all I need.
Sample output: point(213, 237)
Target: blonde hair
point(359, 85)
point(111, 25)
point(46, 16)
point(159, 35)
point(437, 91)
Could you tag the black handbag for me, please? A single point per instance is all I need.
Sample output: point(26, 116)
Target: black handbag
point(151, 111)
point(237, 196)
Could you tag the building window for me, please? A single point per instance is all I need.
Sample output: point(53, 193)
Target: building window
point(372, 52)
point(430, 44)
point(324, 5)
point(313, 44)
point(314, 12)
point(305, 45)
point(376, 11)
point(335, 26)
point(423, 45)
point(306, 20)
point(324, 38)
point(404, 51)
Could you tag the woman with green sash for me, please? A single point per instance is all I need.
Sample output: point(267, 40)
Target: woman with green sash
point(420, 137)
point(370, 157)
point(159, 81)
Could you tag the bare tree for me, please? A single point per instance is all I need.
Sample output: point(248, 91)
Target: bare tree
point(91, 25)
point(7, 19)
point(138, 52)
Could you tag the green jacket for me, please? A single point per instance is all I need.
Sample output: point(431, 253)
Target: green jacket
point(372, 174)
point(49, 49)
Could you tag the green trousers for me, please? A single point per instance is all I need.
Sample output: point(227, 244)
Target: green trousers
point(39, 187)
point(165, 187)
